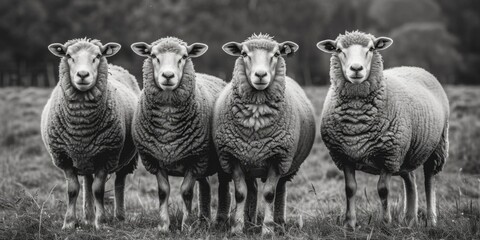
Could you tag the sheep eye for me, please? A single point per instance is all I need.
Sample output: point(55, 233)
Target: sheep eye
point(244, 54)
point(371, 49)
point(68, 56)
point(184, 57)
point(98, 56)
point(277, 54)
point(154, 56)
point(338, 50)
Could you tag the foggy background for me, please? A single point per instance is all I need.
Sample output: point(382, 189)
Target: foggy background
point(438, 35)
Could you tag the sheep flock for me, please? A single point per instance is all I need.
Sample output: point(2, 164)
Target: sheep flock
point(258, 125)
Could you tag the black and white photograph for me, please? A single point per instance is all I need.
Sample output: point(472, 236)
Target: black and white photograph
point(239, 119)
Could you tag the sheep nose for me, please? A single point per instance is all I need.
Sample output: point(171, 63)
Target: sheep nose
point(167, 75)
point(356, 67)
point(260, 74)
point(83, 74)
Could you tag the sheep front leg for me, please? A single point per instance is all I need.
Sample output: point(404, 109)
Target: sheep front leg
point(269, 190)
point(410, 206)
point(204, 198)
point(88, 207)
point(98, 192)
point(383, 188)
point(187, 195)
point(120, 195)
point(240, 195)
point(73, 187)
point(350, 191)
point(163, 194)
point(431, 199)
point(224, 198)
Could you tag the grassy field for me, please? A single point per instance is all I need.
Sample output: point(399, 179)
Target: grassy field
point(33, 191)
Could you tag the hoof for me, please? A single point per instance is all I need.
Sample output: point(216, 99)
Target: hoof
point(237, 228)
point(163, 228)
point(120, 216)
point(350, 225)
point(387, 219)
point(410, 221)
point(267, 230)
point(69, 225)
point(431, 223)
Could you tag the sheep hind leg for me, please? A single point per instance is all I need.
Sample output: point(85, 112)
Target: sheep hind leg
point(88, 202)
point(120, 195)
point(280, 202)
point(224, 198)
point(163, 194)
point(98, 188)
point(73, 188)
point(240, 195)
point(269, 192)
point(186, 191)
point(383, 188)
point(204, 198)
point(431, 167)
point(410, 204)
point(350, 221)
point(251, 204)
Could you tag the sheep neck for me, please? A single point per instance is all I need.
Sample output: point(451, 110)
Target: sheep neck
point(253, 109)
point(84, 108)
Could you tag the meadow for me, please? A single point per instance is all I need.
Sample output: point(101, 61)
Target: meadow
point(33, 190)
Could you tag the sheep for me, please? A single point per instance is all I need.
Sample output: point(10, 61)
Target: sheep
point(86, 125)
point(172, 125)
point(383, 122)
point(264, 127)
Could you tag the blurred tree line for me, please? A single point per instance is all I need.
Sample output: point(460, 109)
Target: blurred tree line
point(439, 35)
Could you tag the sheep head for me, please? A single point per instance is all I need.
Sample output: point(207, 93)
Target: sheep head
point(355, 51)
point(169, 56)
point(83, 57)
point(260, 54)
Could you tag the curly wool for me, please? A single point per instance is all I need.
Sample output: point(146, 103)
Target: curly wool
point(91, 129)
point(395, 120)
point(173, 128)
point(254, 126)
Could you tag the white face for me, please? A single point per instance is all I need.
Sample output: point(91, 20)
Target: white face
point(83, 65)
point(260, 66)
point(83, 59)
point(356, 61)
point(168, 67)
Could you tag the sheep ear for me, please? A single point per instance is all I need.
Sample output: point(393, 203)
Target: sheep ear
point(57, 49)
point(110, 49)
point(328, 46)
point(142, 49)
point(233, 48)
point(197, 49)
point(288, 48)
point(382, 43)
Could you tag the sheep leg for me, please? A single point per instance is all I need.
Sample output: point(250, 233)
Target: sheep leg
point(73, 187)
point(280, 202)
point(187, 195)
point(383, 188)
point(163, 194)
point(120, 195)
point(224, 198)
point(431, 199)
point(240, 195)
point(350, 191)
point(204, 198)
point(269, 190)
point(88, 207)
point(98, 193)
point(410, 206)
point(251, 204)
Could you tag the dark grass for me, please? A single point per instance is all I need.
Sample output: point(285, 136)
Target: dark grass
point(32, 190)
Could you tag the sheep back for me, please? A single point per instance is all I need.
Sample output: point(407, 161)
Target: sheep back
point(88, 134)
